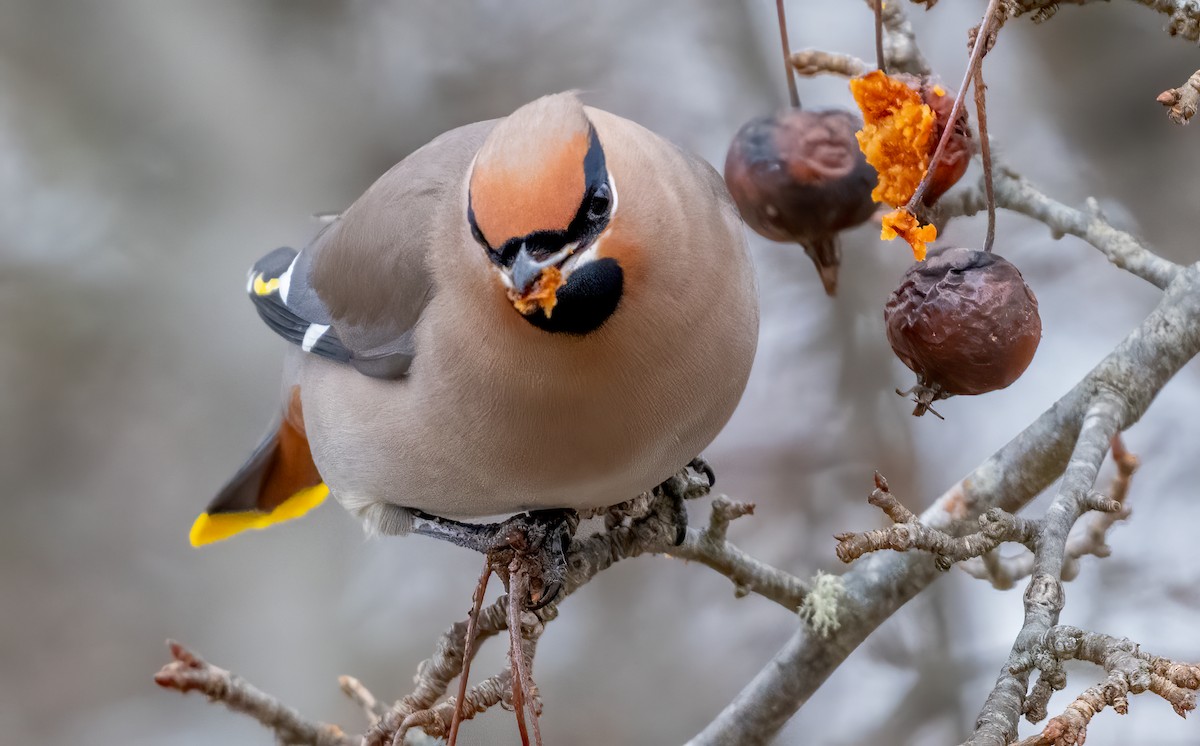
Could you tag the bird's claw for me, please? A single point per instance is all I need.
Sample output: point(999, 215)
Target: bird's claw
point(700, 465)
point(536, 543)
point(684, 486)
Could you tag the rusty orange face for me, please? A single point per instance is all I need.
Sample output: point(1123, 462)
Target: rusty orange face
point(513, 197)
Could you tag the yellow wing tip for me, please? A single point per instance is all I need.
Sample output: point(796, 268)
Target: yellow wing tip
point(210, 528)
point(265, 287)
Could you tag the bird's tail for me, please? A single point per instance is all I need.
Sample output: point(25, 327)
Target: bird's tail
point(278, 482)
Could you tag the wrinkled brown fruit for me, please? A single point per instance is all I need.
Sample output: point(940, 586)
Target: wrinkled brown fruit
point(799, 176)
point(965, 322)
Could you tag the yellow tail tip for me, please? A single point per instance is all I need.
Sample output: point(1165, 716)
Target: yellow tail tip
point(214, 527)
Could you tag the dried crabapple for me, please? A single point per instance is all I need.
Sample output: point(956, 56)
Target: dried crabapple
point(965, 322)
point(798, 175)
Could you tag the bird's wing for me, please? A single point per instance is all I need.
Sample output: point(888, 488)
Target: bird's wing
point(356, 293)
point(296, 314)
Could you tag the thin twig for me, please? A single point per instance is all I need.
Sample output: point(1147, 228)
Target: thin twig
point(749, 575)
point(793, 93)
point(907, 533)
point(880, 60)
point(810, 62)
point(985, 154)
point(1183, 101)
point(188, 672)
point(977, 52)
point(492, 691)
point(900, 41)
point(468, 648)
point(522, 680)
point(361, 696)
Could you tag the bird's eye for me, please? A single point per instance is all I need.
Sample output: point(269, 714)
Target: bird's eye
point(601, 201)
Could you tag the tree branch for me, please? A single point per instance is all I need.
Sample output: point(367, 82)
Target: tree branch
point(645, 525)
point(1183, 15)
point(1130, 671)
point(1004, 572)
point(879, 584)
point(1017, 194)
point(748, 574)
point(900, 50)
point(361, 696)
point(1182, 102)
point(1044, 596)
point(189, 673)
point(907, 533)
point(900, 42)
point(811, 62)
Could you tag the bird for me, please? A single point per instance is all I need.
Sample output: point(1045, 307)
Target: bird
point(540, 314)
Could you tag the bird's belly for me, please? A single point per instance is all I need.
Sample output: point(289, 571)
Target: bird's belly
point(415, 444)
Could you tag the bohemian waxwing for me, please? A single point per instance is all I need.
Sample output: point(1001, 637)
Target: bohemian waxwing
point(552, 310)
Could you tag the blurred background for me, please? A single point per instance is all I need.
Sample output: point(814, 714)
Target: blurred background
point(150, 150)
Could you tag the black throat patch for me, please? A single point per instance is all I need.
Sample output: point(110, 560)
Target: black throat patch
point(586, 300)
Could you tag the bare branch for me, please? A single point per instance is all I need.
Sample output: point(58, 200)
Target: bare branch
point(907, 533)
point(492, 691)
point(748, 574)
point(469, 638)
point(985, 156)
point(900, 42)
point(438, 721)
point(811, 62)
point(881, 583)
point(1091, 541)
point(1182, 102)
point(361, 696)
point(1184, 15)
point(523, 689)
point(645, 525)
point(1130, 671)
point(189, 673)
point(1016, 193)
point(1044, 596)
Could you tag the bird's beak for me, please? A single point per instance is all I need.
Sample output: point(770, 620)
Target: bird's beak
point(526, 270)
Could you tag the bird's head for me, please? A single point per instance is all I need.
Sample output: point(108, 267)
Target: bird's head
point(540, 201)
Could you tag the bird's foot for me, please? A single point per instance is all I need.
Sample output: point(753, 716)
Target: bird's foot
point(529, 553)
point(694, 480)
point(536, 545)
point(536, 541)
point(700, 465)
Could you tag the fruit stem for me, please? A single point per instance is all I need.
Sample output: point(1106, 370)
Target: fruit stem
point(977, 52)
point(793, 94)
point(468, 651)
point(985, 155)
point(880, 62)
